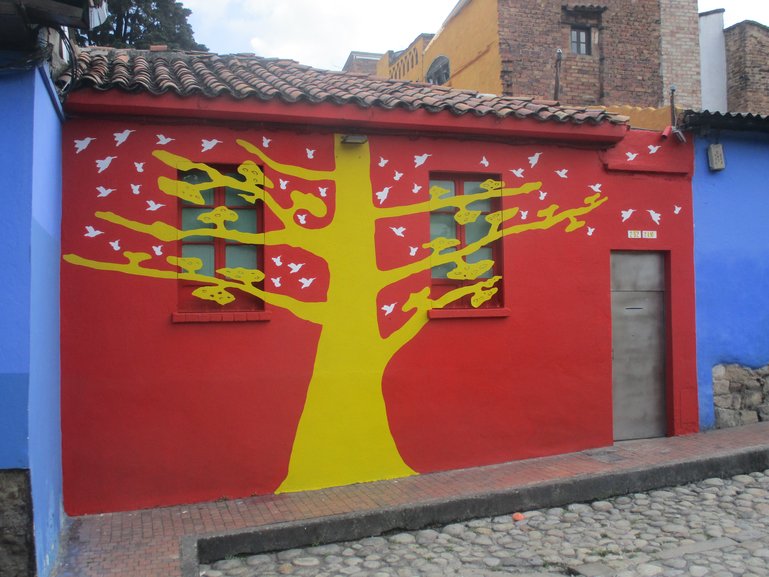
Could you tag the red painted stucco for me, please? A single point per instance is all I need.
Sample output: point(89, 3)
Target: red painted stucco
point(156, 412)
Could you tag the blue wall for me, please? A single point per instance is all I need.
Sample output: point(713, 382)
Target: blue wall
point(731, 251)
point(16, 113)
point(44, 399)
point(30, 426)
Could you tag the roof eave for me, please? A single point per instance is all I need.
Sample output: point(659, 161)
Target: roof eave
point(91, 102)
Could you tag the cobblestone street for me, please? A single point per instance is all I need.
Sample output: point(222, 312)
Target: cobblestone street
point(718, 528)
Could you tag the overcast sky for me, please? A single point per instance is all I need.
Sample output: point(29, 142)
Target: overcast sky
point(322, 34)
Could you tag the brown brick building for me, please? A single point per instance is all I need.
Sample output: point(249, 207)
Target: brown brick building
point(616, 52)
point(747, 67)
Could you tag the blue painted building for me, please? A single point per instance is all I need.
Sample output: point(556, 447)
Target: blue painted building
point(30, 431)
point(731, 246)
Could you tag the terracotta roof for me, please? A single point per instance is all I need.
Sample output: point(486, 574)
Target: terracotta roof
point(246, 76)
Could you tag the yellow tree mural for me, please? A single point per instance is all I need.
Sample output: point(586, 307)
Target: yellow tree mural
point(343, 435)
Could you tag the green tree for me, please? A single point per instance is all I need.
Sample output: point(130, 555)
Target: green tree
point(141, 23)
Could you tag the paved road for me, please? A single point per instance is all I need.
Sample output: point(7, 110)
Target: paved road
point(715, 528)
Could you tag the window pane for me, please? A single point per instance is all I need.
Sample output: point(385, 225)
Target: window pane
point(445, 184)
point(232, 197)
point(442, 224)
point(199, 177)
point(204, 252)
point(443, 270)
point(190, 222)
point(246, 221)
point(474, 231)
point(474, 187)
point(484, 253)
point(241, 255)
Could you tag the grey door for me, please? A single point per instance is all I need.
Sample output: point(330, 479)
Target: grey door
point(638, 344)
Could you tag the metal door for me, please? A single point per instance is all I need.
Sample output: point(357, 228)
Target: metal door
point(638, 344)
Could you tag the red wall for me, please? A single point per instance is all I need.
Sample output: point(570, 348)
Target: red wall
point(159, 413)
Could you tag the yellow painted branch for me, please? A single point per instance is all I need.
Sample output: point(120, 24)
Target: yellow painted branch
point(306, 311)
point(286, 169)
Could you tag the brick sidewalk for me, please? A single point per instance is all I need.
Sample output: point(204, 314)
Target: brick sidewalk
point(147, 543)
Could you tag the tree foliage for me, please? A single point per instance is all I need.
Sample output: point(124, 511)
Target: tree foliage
point(141, 23)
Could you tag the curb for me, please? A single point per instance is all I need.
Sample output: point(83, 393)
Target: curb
point(361, 524)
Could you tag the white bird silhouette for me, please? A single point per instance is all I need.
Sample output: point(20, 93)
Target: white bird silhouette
point(152, 206)
point(295, 267)
point(524, 214)
point(302, 218)
point(139, 166)
point(275, 281)
point(207, 145)
point(562, 173)
point(115, 244)
point(397, 175)
point(283, 184)
point(653, 149)
point(162, 139)
point(631, 155)
point(277, 260)
point(398, 230)
point(121, 137)
point(420, 159)
point(590, 230)
point(595, 187)
point(388, 308)
point(382, 194)
point(534, 159)
point(416, 188)
point(517, 172)
point(82, 144)
point(626, 214)
point(266, 141)
point(104, 191)
point(413, 250)
point(323, 190)
point(383, 161)
point(103, 164)
point(542, 195)
point(157, 249)
point(91, 232)
point(136, 188)
point(655, 216)
point(676, 209)
point(485, 162)
point(305, 282)
point(310, 152)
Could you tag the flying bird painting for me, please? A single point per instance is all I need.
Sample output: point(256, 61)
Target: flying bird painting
point(139, 166)
point(266, 141)
point(305, 282)
point(563, 173)
point(595, 187)
point(103, 191)
point(382, 194)
point(626, 214)
point(383, 161)
point(82, 144)
point(275, 281)
point(157, 249)
point(676, 209)
point(277, 260)
point(206, 145)
point(397, 175)
point(136, 188)
point(91, 232)
point(518, 172)
point(103, 164)
point(121, 137)
point(631, 155)
point(485, 162)
point(115, 244)
point(656, 216)
point(534, 159)
point(152, 206)
point(310, 153)
point(163, 140)
point(295, 267)
point(653, 149)
point(420, 159)
point(388, 309)
point(542, 195)
point(398, 230)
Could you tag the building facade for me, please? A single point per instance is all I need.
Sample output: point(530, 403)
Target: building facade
point(279, 294)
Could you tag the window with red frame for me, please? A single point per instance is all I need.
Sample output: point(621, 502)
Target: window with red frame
point(443, 224)
point(217, 253)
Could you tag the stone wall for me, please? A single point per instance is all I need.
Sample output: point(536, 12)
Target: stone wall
point(740, 395)
point(17, 552)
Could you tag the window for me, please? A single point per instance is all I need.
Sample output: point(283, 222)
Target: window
point(439, 72)
point(217, 253)
point(443, 224)
point(580, 40)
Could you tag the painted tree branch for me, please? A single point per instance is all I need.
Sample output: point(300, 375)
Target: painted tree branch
point(287, 169)
point(421, 303)
point(216, 289)
point(439, 200)
point(440, 255)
